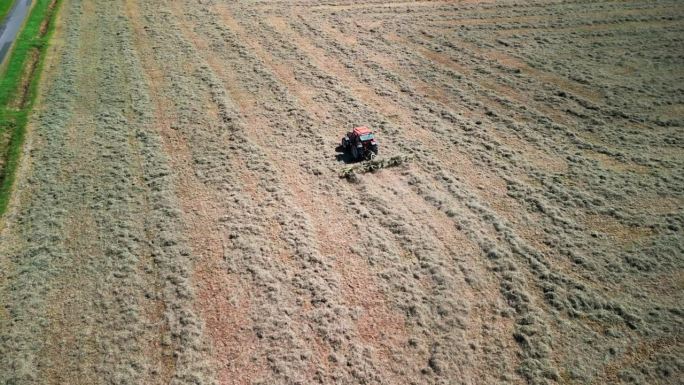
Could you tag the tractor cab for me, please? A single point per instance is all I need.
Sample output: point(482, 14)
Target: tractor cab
point(363, 134)
point(361, 143)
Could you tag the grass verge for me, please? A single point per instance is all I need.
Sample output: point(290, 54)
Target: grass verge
point(5, 7)
point(18, 90)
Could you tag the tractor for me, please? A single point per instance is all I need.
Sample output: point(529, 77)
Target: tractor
point(361, 143)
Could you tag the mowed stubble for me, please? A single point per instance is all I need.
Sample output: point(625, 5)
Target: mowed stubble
point(179, 217)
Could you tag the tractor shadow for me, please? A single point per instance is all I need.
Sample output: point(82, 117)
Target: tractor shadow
point(344, 156)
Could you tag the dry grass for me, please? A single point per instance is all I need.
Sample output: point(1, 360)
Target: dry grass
point(183, 196)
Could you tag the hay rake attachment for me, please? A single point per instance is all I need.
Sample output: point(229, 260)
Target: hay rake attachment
point(373, 165)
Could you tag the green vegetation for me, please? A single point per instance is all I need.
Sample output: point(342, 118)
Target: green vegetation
point(20, 78)
point(5, 7)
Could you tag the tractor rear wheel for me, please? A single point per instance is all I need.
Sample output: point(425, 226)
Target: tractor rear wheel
point(355, 152)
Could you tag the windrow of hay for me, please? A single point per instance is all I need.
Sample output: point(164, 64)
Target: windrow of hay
point(96, 269)
point(183, 219)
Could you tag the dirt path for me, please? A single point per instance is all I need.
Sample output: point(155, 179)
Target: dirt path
point(179, 216)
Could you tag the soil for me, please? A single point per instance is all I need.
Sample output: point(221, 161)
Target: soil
point(179, 216)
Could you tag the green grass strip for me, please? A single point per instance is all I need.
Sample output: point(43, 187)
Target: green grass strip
point(12, 119)
point(5, 6)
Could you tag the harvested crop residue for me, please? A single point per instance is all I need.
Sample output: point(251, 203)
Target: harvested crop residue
point(180, 217)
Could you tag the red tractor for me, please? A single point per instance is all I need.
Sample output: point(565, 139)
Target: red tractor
point(361, 143)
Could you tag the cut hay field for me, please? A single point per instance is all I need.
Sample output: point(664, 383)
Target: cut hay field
point(178, 215)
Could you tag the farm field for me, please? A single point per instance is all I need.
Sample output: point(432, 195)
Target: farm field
point(178, 215)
